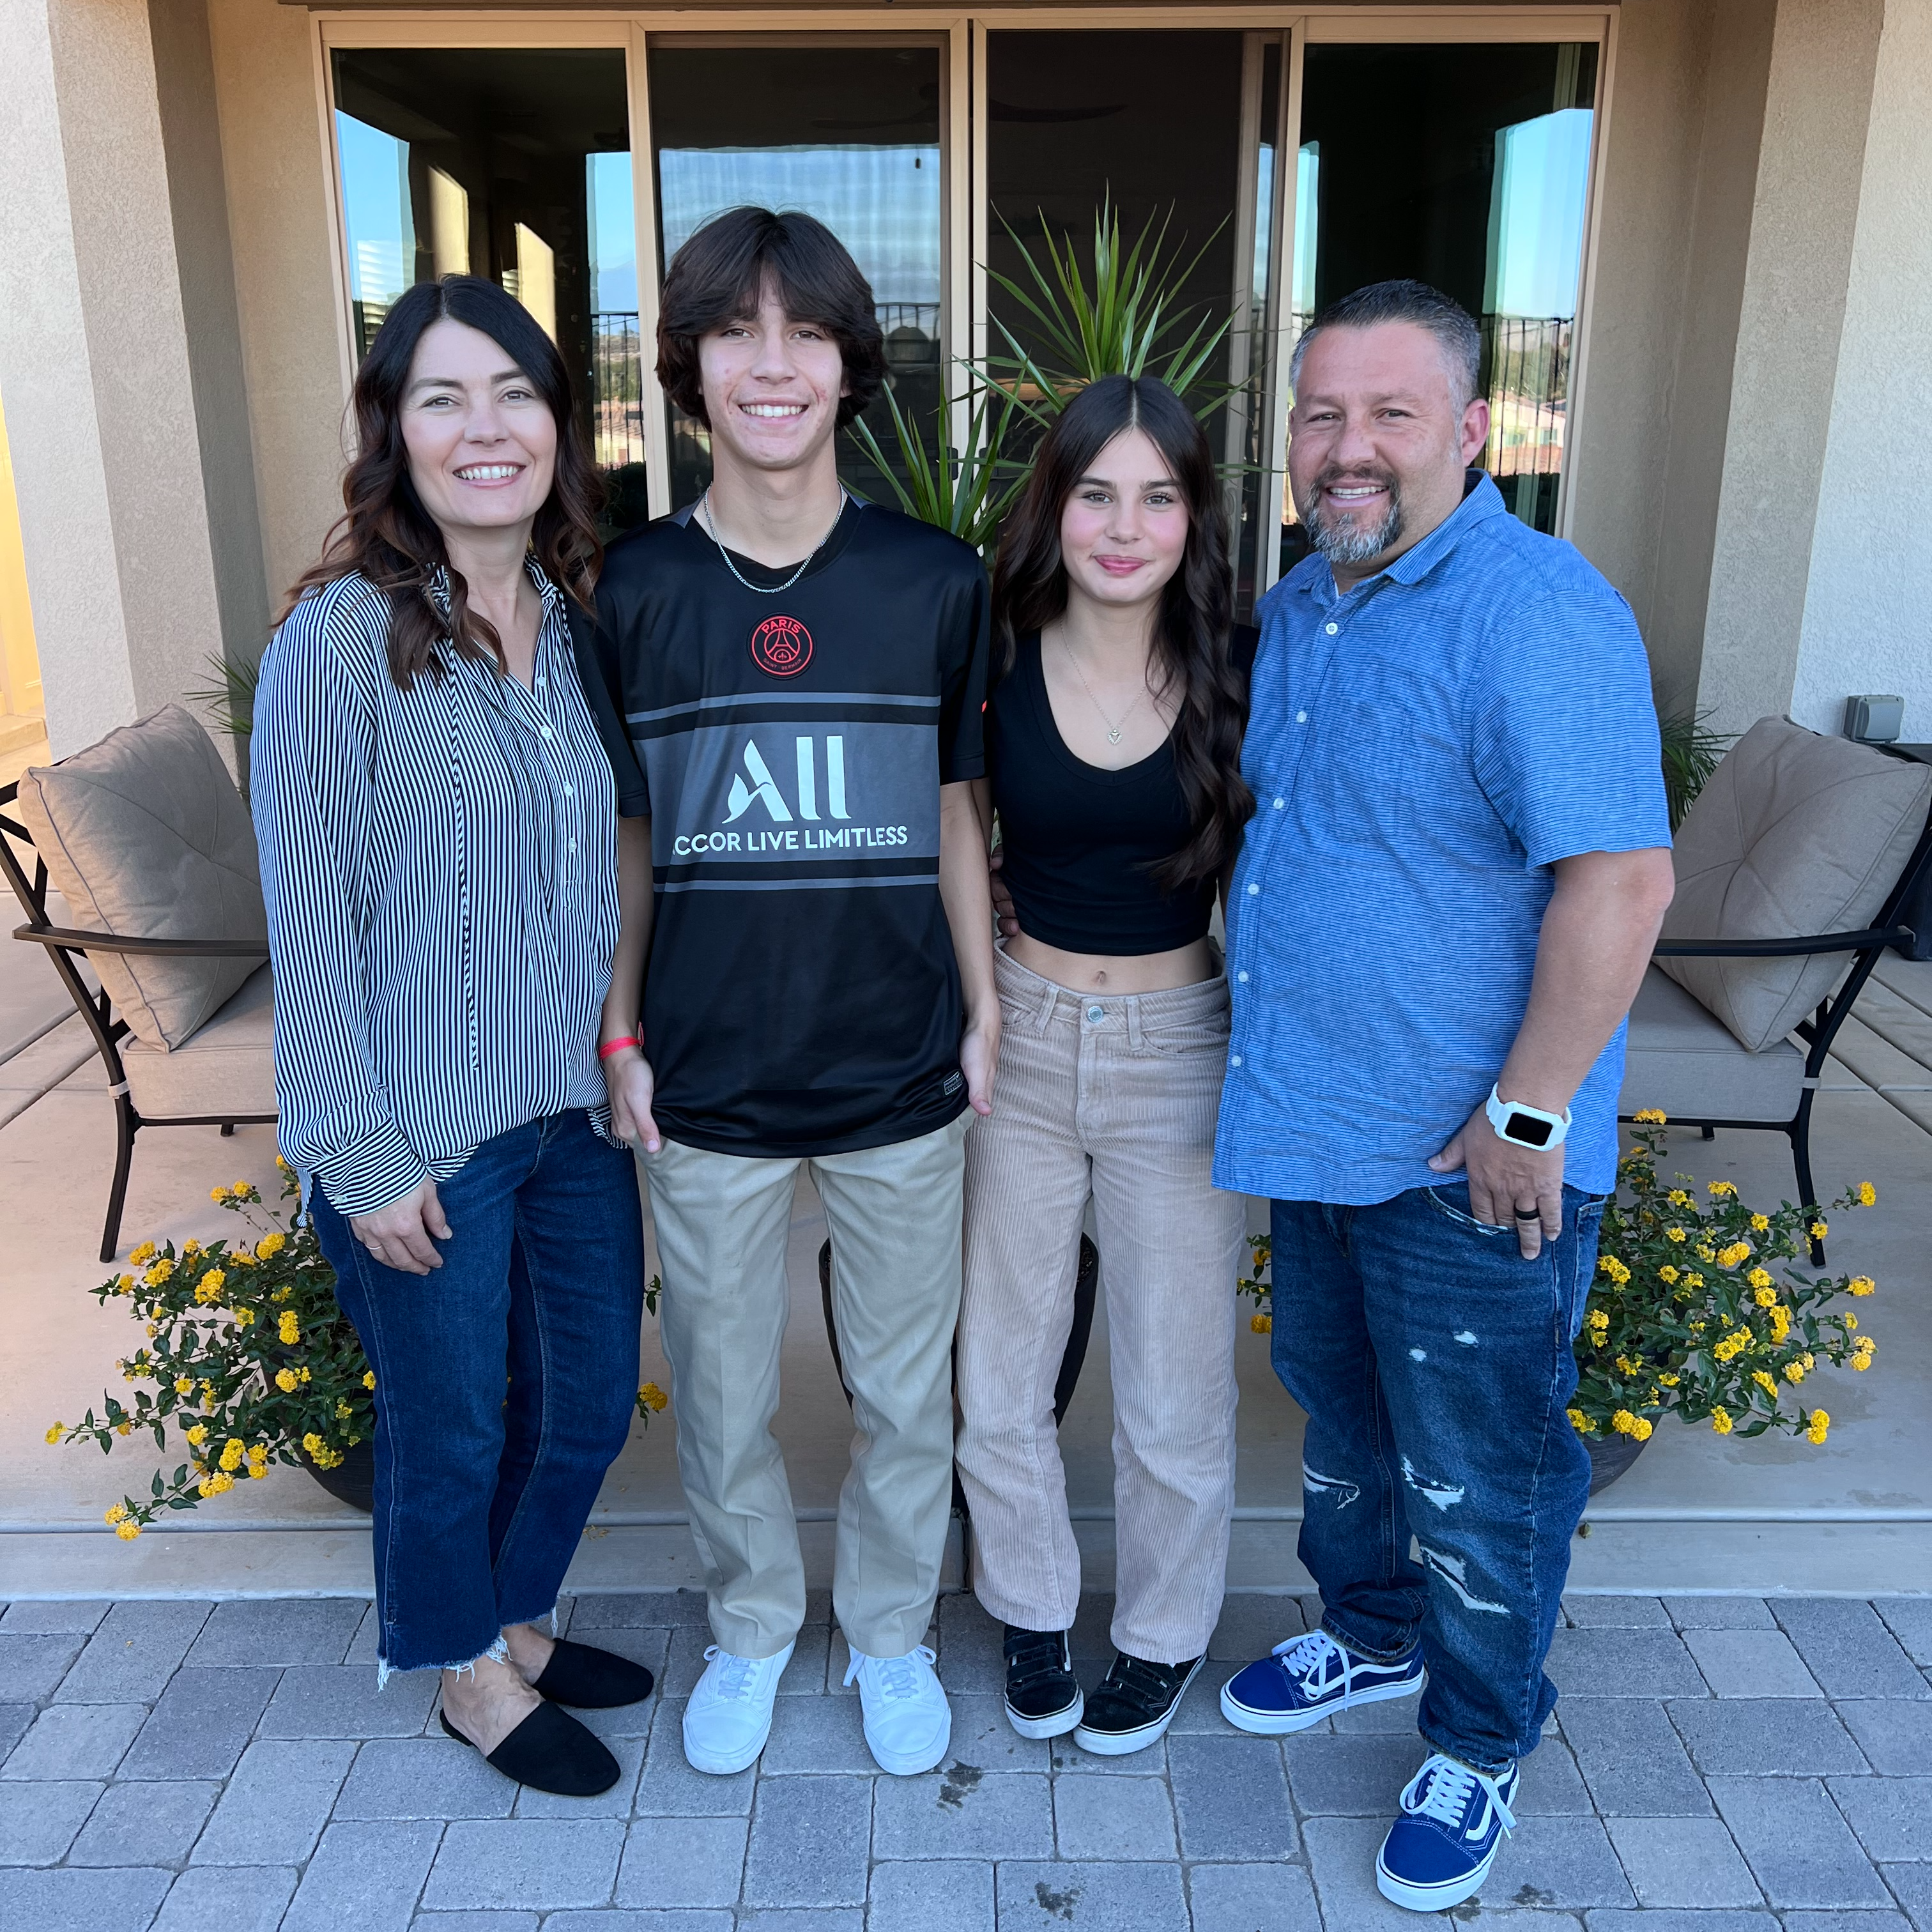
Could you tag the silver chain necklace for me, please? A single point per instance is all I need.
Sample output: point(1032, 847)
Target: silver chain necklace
point(764, 590)
point(1113, 731)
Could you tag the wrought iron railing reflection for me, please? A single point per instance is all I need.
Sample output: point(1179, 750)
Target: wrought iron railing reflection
point(1527, 358)
point(616, 387)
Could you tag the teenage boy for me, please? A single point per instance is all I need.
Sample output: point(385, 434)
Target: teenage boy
point(790, 685)
point(1462, 822)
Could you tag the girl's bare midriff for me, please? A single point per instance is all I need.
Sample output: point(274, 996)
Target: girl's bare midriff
point(1108, 973)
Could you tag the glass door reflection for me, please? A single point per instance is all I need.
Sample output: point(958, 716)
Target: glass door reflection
point(1467, 166)
point(847, 132)
point(513, 164)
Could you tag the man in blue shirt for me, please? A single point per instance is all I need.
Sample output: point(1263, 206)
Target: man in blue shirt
point(1455, 874)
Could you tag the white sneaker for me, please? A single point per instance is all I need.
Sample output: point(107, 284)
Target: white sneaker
point(729, 1714)
point(908, 1722)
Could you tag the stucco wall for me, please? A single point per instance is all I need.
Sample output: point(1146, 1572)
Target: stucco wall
point(197, 195)
point(1867, 613)
point(1805, 213)
point(1621, 434)
point(280, 220)
point(94, 367)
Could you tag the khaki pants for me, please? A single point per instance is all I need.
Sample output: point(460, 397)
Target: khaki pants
point(721, 1224)
point(1116, 1096)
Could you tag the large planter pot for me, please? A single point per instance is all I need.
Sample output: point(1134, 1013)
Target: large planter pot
point(1610, 1457)
point(353, 1481)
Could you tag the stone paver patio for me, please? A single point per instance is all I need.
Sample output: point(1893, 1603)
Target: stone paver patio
point(1717, 1765)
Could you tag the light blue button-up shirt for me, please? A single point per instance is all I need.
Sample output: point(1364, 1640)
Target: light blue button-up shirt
point(1422, 751)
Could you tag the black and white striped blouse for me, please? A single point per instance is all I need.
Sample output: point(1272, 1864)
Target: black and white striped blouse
point(440, 869)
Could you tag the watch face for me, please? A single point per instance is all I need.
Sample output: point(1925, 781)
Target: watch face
point(1529, 1129)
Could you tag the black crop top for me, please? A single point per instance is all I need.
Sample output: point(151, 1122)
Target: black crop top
point(1079, 840)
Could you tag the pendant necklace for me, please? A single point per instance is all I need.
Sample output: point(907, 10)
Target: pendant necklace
point(762, 590)
point(1113, 731)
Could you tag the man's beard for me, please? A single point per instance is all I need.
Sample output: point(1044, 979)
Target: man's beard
point(1340, 538)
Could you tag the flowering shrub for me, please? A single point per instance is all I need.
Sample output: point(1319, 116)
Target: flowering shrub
point(248, 1353)
point(1688, 1314)
point(1262, 1321)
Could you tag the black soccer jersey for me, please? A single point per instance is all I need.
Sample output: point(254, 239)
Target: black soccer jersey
point(802, 995)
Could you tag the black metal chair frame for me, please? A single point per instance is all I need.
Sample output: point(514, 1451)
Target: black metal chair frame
point(1822, 1028)
point(64, 946)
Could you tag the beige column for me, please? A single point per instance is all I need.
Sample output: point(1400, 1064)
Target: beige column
point(94, 367)
point(1866, 627)
point(1807, 211)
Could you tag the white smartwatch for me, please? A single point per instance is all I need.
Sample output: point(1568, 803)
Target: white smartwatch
point(1525, 1126)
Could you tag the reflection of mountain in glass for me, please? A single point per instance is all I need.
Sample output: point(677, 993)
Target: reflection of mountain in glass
point(883, 203)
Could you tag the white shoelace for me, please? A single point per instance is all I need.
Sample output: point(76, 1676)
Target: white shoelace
point(894, 1675)
point(1447, 1798)
point(1307, 1659)
point(734, 1676)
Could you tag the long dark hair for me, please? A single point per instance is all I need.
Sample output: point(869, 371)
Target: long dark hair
point(386, 533)
point(1190, 651)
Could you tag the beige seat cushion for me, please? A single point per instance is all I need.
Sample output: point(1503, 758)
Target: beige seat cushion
point(224, 1071)
point(145, 835)
point(1681, 1059)
point(1795, 834)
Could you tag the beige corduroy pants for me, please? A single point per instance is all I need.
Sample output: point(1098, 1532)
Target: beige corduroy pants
point(1116, 1097)
point(721, 1222)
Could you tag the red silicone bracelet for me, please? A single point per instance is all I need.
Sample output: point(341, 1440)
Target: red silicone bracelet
point(611, 1046)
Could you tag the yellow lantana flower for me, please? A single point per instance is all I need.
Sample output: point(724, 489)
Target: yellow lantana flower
point(653, 1398)
point(1624, 1422)
point(1867, 1195)
point(1609, 1265)
point(1737, 1251)
point(1641, 1430)
point(369, 1379)
point(209, 1288)
point(1760, 1279)
point(1819, 1422)
point(1678, 1198)
point(287, 1381)
point(270, 1245)
point(1675, 1234)
point(1721, 1188)
point(55, 1434)
point(1760, 1223)
point(1666, 1273)
point(217, 1195)
point(1653, 1117)
point(1720, 1420)
point(243, 1316)
point(183, 1385)
point(1580, 1422)
point(143, 1255)
point(1794, 1372)
point(1766, 1296)
point(289, 1328)
point(1258, 1324)
point(1820, 1229)
point(118, 1514)
point(1860, 1284)
point(1669, 1382)
point(127, 1530)
point(1764, 1381)
point(198, 1435)
point(159, 1273)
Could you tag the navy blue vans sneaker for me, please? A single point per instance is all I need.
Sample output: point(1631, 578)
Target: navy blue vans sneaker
point(1440, 1850)
point(1310, 1678)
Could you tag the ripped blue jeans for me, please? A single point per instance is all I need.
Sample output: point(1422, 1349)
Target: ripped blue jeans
point(1441, 1480)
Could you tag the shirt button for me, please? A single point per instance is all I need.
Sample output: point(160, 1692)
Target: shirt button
point(1243, 977)
point(1252, 890)
point(1278, 804)
point(1234, 1059)
point(1332, 628)
point(1301, 718)
point(548, 733)
point(573, 844)
point(1097, 1014)
point(570, 791)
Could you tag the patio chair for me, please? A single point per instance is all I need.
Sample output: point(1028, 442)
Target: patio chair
point(145, 837)
point(1791, 867)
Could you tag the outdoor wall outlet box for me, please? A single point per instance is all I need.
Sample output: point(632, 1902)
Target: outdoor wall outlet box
point(1873, 720)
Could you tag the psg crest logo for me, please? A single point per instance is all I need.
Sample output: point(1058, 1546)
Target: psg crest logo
point(781, 647)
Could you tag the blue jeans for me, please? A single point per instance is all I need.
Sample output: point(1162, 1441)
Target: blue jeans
point(1441, 1480)
point(482, 1491)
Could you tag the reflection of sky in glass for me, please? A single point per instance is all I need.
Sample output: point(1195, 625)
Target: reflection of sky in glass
point(613, 233)
point(1263, 204)
point(1536, 222)
point(1307, 205)
point(376, 208)
point(883, 203)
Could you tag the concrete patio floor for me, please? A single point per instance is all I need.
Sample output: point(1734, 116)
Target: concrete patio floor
point(1716, 1764)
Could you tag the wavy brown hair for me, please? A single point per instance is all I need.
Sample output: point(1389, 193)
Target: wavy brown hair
point(1190, 650)
point(386, 534)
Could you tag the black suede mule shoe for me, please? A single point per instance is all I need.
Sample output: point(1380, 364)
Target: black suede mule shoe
point(592, 1680)
point(549, 1751)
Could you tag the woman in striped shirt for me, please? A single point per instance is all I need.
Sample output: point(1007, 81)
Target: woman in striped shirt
point(438, 826)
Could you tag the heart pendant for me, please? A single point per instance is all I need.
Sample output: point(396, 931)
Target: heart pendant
point(1113, 737)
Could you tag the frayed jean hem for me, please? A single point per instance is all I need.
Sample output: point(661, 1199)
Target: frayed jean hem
point(498, 1652)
